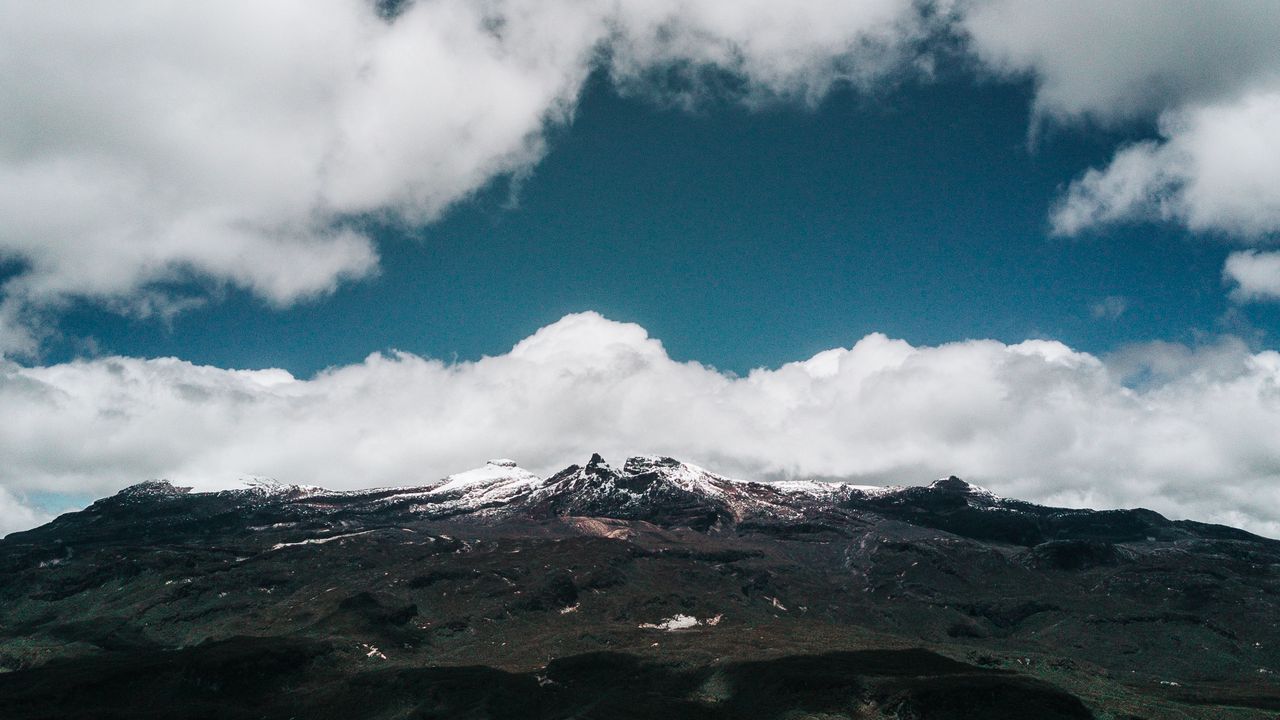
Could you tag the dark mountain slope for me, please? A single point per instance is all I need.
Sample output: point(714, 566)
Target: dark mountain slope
point(656, 589)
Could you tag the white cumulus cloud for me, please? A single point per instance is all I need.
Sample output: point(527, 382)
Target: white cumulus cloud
point(1186, 432)
point(241, 143)
point(1216, 170)
point(146, 143)
point(1209, 73)
point(1112, 61)
point(1256, 275)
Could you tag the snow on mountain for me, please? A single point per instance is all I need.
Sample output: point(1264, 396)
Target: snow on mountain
point(495, 484)
point(658, 489)
point(601, 500)
point(501, 472)
point(828, 489)
point(668, 491)
point(268, 488)
point(492, 486)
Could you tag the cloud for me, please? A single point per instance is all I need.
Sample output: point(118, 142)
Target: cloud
point(1210, 73)
point(1186, 432)
point(147, 146)
point(1108, 62)
point(237, 143)
point(778, 51)
point(1110, 307)
point(16, 515)
point(1216, 170)
point(1256, 275)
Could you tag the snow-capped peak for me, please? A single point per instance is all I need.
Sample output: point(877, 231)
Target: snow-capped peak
point(655, 487)
point(686, 476)
point(643, 488)
point(502, 471)
point(267, 487)
point(956, 485)
point(495, 484)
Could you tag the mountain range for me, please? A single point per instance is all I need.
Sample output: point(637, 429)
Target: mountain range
point(653, 589)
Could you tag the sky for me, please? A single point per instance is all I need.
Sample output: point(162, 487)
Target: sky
point(355, 244)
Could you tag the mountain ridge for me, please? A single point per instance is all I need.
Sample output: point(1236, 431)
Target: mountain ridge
point(663, 583)
point(673, 493)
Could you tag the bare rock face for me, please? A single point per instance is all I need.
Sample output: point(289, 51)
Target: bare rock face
point(651, 589)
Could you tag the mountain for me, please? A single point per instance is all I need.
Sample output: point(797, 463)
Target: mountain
point(654, 589)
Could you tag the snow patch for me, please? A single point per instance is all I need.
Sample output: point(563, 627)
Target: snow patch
point(270, 487)
point(821, 489)
point(681, 622)
point(318, 541)
point(372, 651)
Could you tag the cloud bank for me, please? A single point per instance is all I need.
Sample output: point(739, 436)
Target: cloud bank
point(1187, 432)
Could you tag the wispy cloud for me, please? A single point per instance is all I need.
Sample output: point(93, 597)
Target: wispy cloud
point(1183, 431)
point(1110, 307)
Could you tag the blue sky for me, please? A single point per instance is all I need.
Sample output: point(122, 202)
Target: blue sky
point(746, 238)
point(1030, 244)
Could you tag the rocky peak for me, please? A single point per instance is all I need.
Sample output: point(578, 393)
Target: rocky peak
point(652, 489)
point(152, 489)
point(595, 471)
point(951, 484)
point(643, 464)
point(597, 467)
point(966, 492)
